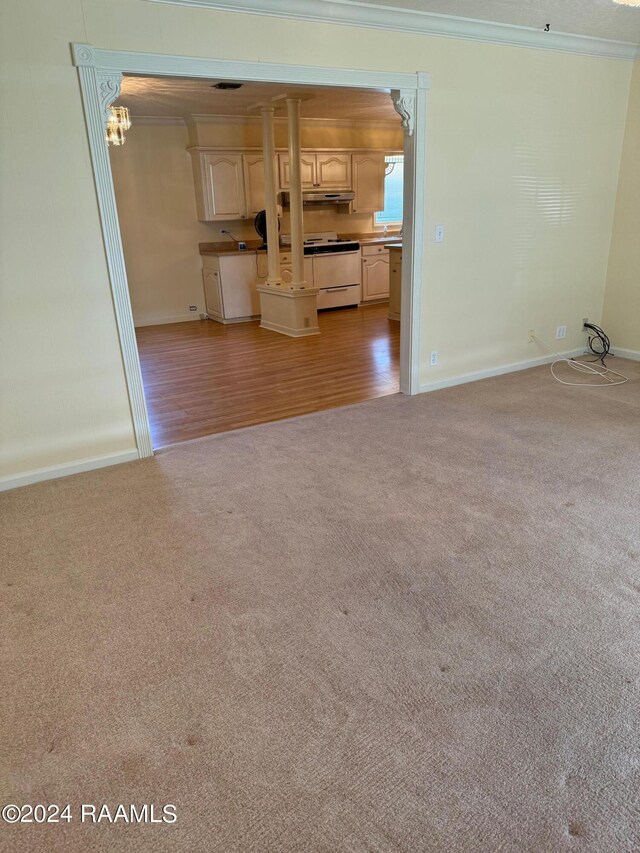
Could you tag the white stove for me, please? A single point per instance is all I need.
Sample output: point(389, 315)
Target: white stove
point(323, 242)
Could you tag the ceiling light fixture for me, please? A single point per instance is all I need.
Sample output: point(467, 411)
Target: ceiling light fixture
point(117, 123)
point(627, 2)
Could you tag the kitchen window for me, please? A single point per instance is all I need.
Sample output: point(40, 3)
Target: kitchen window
point(393, 180)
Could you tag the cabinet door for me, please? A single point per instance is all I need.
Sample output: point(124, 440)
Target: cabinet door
point(254, 182)
point(333, 170)
point(368, 183)
point(395, 286)
point(212, 292)
point(307, 170)
point(238, 279)
point(224, 186)
point(375, 277)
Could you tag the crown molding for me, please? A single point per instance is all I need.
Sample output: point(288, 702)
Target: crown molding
point(158, 121)
point(359, 14)
point(203, 118)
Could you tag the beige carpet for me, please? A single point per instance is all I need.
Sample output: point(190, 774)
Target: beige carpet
point(408, 625)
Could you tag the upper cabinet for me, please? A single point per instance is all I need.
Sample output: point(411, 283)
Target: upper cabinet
point(307, 171)
point(231, 185)
point(333, 170)
point(330, 170)
point(254, 182)
point(219, 183)
point(368, 182)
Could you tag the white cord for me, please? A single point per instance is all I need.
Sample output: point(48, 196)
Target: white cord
point(584, 367)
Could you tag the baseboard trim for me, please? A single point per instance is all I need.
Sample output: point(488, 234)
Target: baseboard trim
point(163, 321)
point(286, 330)
point(633, 354)
point(55, 471)
point(495, 371)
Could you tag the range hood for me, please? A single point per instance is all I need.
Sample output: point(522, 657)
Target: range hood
point(321, 197)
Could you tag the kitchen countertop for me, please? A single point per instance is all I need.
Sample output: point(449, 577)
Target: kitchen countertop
point(370, 239)
point(228, 248)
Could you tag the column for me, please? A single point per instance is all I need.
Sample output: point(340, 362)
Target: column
point(295, 195)
point(271, 199)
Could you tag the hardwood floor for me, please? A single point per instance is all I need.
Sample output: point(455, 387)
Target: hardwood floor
point(203, 377)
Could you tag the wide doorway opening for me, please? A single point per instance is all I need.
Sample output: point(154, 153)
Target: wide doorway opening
point(189, 181)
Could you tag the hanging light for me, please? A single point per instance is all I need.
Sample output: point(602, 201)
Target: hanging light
point(117, 123)
point(628, 2)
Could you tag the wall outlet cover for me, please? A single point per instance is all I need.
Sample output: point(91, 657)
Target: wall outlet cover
point(561, 332)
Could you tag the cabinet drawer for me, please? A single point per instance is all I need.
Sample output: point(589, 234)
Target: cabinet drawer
point(211, 262)
point(374, 250)
point(335, 297)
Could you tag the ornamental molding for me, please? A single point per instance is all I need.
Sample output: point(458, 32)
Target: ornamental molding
point(109, 86)
point(83, 55)
point(404, 102)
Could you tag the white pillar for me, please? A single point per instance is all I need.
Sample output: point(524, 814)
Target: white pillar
point(295, 196)
point(271, 198)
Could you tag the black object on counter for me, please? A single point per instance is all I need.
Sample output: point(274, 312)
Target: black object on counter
point(260, 224)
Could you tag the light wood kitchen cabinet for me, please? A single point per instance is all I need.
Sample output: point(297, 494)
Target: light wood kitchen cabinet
point(254, 182)
point(333, 170)
point(230, 287)
point(219, 185)
point(368, 183)
point(395, 282)
point(307, 171)
point(375, 273)
point(328, 170)
point(212, 294)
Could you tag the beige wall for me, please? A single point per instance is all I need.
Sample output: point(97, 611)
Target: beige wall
point(523, 157)
point(159, 225)
point(312, 135)
point(621, 317)
point(160, 230)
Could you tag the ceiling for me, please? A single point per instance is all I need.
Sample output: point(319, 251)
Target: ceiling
point(180, 97)
point(595, 18)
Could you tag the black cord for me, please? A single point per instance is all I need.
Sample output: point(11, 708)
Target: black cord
point(599, 342)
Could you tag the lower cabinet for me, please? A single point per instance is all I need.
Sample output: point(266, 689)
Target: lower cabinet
point(230, 287)
point(395, 283)
point(375, 273)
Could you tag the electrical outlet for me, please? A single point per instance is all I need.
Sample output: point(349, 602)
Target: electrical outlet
point(439, 233)
point(193, 307)
point(434, 358)
point(561, 332)
point(585, 320)
point(532, 335)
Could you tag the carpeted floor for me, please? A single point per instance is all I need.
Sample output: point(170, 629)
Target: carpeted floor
point(409, 625)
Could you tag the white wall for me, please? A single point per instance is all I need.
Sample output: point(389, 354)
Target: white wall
point(523, 158)
point(621, 317)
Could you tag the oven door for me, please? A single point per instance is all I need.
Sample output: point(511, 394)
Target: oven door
point(337, 277)
point(336, 269)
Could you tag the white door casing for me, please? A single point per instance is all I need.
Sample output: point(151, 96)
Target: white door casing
point(100, 74)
